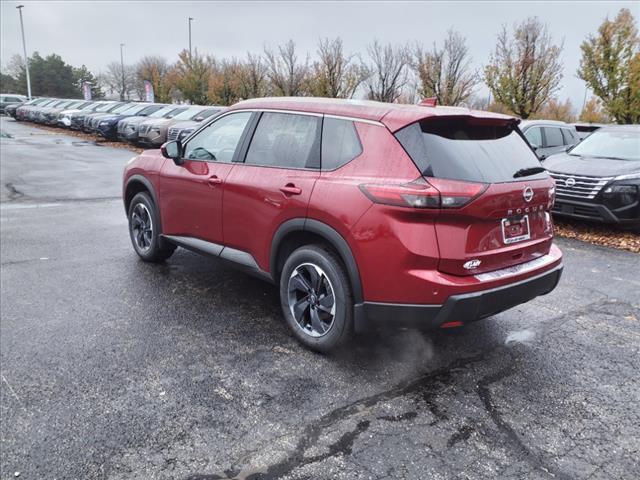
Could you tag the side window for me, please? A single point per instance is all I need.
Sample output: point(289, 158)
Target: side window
point(534, 136)
point(553, 136)
point(218, 141)
point(340, 143)
point(285, 140)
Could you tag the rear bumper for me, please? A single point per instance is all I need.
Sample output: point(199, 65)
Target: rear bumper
point(464, 308)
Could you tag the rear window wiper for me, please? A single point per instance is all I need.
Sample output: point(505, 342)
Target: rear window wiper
point(525, 172)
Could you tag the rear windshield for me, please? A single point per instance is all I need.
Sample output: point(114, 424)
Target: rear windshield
point(468, 150)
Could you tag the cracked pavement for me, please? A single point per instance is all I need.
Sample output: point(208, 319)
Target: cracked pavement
point(116, 369)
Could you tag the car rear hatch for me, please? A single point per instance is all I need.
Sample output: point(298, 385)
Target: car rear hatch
point(493, 195)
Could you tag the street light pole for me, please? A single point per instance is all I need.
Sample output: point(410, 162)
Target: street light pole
point(122, 70)
point(190, 20)
point(24, 48)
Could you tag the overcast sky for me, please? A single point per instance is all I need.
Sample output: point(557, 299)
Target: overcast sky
point(90, 33)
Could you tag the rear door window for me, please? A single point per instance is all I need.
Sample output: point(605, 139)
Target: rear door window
point(553, 135)
point(534, 136)
point(340, 143)
point(286, 140)
point(462, 148)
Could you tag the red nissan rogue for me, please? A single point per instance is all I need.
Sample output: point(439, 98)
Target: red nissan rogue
point(361, 212)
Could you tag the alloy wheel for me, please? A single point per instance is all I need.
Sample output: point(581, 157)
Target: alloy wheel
point(142, 227)
point(311, 299)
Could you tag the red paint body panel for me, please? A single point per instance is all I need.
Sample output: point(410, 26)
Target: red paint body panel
point(254, 206)
point(190, 203)
point(475, 231)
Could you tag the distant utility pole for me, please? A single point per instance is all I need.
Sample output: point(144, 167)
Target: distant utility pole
point(24, 48)
point(122, 70)
point(190, 20)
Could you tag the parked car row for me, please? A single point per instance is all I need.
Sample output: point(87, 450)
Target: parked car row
point(139, 123)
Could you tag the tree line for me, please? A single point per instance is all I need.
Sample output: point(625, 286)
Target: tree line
point(523, 74)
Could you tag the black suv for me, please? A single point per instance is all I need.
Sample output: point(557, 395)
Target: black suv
point(599, 179)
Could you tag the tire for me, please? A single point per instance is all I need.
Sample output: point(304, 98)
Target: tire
point(147, 242)
point(310, 275)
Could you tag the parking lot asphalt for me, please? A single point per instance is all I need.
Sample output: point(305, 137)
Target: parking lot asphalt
point(116, 369)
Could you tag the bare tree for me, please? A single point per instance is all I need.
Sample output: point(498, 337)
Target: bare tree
point(335, 74)
point(286, 74)
point(554, 109)
point(111, 81)
point(525, 69)
point(252, 81)
point(387, 73)
point(445, 73)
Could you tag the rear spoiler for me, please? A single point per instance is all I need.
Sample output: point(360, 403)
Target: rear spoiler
point(429, 102)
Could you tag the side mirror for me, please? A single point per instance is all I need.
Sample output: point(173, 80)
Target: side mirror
point(173, 150)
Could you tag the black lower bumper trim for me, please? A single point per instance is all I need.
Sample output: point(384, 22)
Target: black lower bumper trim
point(465, 308)
point(596, 211)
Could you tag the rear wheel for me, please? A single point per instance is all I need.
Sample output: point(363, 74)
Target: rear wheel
point(144, 230)
point(316, 298)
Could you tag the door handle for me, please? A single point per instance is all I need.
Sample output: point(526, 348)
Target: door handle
point(290, 189)
point(214, 180)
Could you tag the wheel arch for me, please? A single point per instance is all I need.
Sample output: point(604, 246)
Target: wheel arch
point(301, 229)
point(136, 184)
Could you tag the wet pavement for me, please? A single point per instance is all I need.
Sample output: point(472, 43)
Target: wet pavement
point(112, 368)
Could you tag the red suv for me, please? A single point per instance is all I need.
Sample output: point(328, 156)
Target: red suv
point(362, 212)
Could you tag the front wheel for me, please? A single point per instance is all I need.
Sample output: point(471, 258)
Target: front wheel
point(144, 230)
point(316, 298)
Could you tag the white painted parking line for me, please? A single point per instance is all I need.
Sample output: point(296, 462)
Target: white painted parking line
point(21, 206)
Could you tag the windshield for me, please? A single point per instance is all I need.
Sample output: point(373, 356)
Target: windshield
point(105, 106)
point(131, 109)
point(175, 112)
point(162, 112)
point(90, 106)
point(468, 149)
point(122, 108)
point(188, 113)
point(148, 110)
point(206, 114)
point(618, 144)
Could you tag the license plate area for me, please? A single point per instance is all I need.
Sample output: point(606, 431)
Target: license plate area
point(515, 229)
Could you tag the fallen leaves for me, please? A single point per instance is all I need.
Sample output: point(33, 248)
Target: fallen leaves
point(604, 235)
point(88, 136)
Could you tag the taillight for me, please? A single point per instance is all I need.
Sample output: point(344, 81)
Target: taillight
point(455, 193)
point(424, 193)
point(417, 194)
